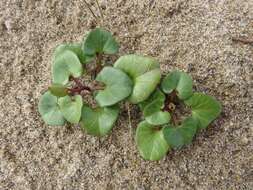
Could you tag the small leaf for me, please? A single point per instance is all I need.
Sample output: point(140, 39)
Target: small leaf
point(118, 86)
point(100, 41)
point(152, 109)
point(49, 110)
point(204, 108)
point(71, 108)
point(99, 121)
point(75, 48)
point(158, 118)
point(179, 81)
point(181, 135)
point(156, 95)
point(58, 90)
point(144, 71)
point(65, 65)
point(150, 142)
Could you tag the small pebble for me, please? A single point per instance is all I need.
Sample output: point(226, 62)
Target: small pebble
point(244, 140)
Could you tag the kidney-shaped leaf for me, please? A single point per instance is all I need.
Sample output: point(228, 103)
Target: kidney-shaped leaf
point(100, 41)
point(144, 71)
point(204, 108)
point(179, 81)
point(49, 110)
point(156, 95)
point(150, 141)
point(152, 109)
point(181, 135)
point(65, 65)
point(58, 90)
point(71, 108)
point(75, 48)
point(99, 121)
point(118, 86)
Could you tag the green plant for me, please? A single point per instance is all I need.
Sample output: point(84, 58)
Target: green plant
point(88, 92)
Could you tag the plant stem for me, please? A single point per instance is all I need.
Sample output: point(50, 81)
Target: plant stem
point(242, 40)
point(129, 119)
point(88, 5)
point(79, 89)
point(100, 10)
point(77, 81)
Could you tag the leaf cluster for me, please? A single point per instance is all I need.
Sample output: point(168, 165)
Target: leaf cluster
point(132, 78)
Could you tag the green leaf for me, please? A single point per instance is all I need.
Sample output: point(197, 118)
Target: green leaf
point(153, 114)
point(204, 108)
point(150, 142)
point(118, 86)
point(58, 90)
point(100, 41)
point(71, 108)
point(158, 118)
point(179, 81)
point(65, 65)
point(152, 109)
point(144, 71)
point(75, 48)
point(49, 110)
point(156, 95)
point(99, 121)
point(181, 135)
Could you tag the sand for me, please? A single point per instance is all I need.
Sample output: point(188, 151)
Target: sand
point(194, 36)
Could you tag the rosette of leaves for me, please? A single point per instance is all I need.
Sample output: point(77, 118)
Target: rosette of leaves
point(144, 72)
point(152, 133)
point(63, 101)
point(134, 78)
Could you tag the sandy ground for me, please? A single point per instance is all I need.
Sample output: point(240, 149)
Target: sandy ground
point(193, 35)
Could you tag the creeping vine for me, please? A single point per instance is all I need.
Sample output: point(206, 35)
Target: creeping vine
point(79, 69)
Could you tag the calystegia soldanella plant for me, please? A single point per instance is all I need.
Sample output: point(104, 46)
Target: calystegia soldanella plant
point(87, 90)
